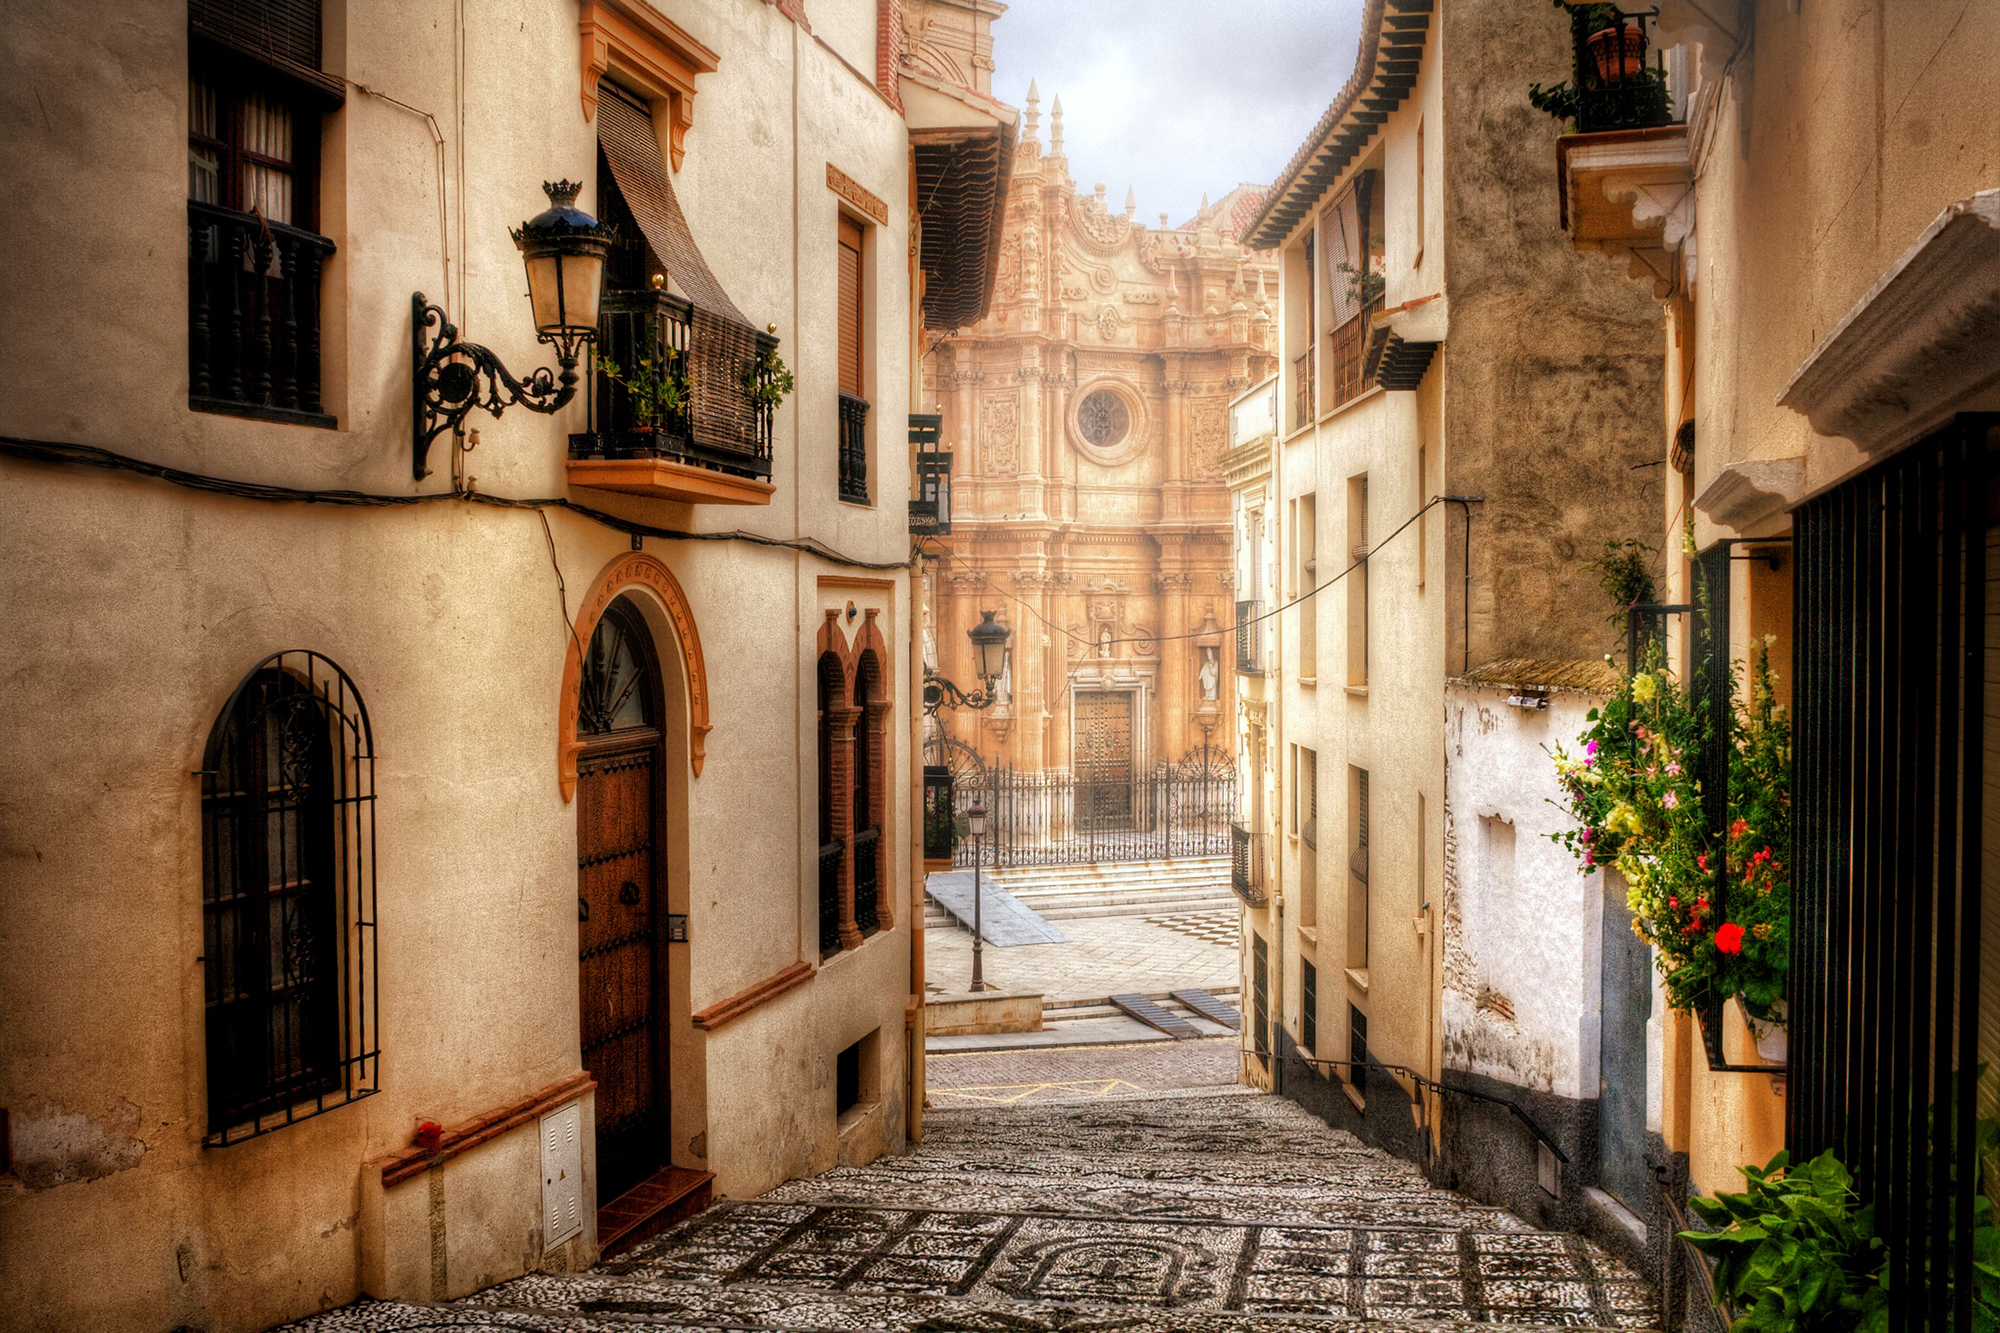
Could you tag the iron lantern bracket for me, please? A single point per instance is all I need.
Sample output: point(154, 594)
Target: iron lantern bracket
point(451, 377)
point(940, 692)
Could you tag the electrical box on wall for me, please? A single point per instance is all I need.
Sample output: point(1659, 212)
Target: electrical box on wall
point(562, 1174)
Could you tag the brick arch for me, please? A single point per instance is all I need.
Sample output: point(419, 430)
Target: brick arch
point(635, 569)
point(833, 639)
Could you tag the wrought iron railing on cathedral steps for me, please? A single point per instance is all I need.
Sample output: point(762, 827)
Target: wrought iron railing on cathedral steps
point(1061, 818)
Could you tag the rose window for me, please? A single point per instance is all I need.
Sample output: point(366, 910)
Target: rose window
point(1102, 419)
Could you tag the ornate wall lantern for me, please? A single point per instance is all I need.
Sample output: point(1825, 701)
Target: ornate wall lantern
point(989, 659)
point(564, 249)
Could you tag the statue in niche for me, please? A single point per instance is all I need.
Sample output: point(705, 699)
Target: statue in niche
point(1210, 675)
point(1104, 640)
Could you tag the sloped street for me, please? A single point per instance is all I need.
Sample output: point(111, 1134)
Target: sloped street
point(1193, 1210)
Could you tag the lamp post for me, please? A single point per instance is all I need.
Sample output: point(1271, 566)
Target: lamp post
point(989, 659)
point(975, 819)
point(564, 249)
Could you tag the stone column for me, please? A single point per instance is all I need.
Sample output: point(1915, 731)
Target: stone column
point(1177, 676)
point(840, 723)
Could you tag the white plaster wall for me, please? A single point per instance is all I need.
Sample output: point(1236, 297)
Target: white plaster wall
point(1521, 923)
point(134, 609)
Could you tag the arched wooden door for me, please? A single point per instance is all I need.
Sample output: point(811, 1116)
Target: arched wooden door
point(620, 898)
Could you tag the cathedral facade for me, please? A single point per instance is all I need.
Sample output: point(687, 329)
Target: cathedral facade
point(1088, 413)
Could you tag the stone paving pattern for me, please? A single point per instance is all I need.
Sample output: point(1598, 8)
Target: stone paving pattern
point(1106, 955)
point(1216, 1212)
point(1094, 1073)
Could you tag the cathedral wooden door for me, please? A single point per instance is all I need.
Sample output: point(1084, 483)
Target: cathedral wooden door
point(619, 864)
point(1104, 757)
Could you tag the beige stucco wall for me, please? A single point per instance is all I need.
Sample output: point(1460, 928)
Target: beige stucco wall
point(135, 608)
point(1842, 132)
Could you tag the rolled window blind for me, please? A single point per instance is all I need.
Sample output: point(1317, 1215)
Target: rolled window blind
point(850, 314)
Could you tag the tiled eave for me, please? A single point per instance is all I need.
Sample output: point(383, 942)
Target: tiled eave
point(1629, 193)
point(1392, 49)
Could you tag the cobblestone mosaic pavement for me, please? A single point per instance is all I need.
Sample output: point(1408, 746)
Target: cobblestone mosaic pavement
point(1083, 1073)
point(1216, 1212)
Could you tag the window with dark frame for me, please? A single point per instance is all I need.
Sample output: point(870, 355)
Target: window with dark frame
point(832, 847)
point(288, 889)
point(850, 350)
point(1309, 1007)
point(255, 100)
point(1357, 1049)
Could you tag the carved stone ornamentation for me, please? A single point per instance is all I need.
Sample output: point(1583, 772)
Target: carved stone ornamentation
point(1210, 438)
point(1098, 230)
point(1001, 433)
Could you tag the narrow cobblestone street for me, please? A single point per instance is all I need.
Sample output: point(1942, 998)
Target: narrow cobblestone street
point(1192, 1211)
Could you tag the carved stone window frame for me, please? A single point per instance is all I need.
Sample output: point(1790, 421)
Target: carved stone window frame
point(651, 55)
point(1125, 450)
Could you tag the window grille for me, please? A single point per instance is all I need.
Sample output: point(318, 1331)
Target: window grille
point(1309, 1008)
point(1357, 1049)
point(288, 899)
point(1260, 999)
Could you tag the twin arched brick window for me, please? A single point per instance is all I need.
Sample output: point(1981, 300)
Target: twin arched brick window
point(853, 790)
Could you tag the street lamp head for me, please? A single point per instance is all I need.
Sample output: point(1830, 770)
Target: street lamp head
point(989, 647)
point(975, 820)
point(564, 249)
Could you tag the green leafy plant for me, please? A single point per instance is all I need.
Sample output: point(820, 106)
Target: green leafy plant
point(941, 829)
point(657, 393)
point(1363, 285)
point(1625, 572)
point(1793, 1252)
point(1635, 802)
point(768, 381)
point(1559, 99)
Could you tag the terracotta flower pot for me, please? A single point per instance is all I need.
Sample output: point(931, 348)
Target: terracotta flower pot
point(1618, 53)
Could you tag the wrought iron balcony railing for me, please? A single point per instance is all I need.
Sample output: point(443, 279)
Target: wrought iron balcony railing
point(930, 510)
point(710, 363)
point(853, 448)
point(868, 880)
point(1250, 638)
point(829, 897)
point(1614, 86)
point(1246, 865)
point(253, 316)
point(940, 813)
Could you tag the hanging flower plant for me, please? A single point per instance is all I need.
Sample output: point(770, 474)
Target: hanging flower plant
point(1637, 805)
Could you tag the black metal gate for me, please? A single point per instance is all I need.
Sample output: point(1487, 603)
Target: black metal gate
point(1177, 810)
point(1889, 655)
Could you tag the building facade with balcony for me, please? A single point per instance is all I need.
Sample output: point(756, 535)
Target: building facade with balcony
point(1455, 440)
point(416, 866)
point(1829, 272)
point(1253, 503)
point(1087, 415)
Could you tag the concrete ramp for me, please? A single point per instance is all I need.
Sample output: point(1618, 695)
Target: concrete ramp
point(1004, 920)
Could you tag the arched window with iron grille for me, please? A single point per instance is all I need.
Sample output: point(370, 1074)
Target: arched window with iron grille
point(288, 898)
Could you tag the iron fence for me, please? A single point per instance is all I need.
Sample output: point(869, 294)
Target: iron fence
point(1059, 818)
point(1889, 649)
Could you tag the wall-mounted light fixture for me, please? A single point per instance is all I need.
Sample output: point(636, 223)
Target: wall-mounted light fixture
point(989, 659)
point(564, 249)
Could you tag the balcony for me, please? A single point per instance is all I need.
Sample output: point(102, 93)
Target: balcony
point(1612, 87)
point(1303, 395)
point(853, 449)
point(713, 446)
point(930, 511)
point(1346, 350)
point(253, 317)
point(940, 818)
point(1249, 638)
point(1246, 866)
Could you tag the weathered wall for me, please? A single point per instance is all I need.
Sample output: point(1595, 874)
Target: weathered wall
point(135, 608)
point(1554, 356)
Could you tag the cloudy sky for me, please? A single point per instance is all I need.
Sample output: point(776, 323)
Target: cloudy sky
point(1177, 97)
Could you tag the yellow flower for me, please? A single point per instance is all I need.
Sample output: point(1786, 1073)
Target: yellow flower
point(1645, 688)
point(1762, 930)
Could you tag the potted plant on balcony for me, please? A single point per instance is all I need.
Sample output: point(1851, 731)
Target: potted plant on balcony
point(767, 381)
point(658, 394)
point(1363, 285)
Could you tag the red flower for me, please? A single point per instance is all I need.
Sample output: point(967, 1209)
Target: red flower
point(1738, 829)
point(430, 1135)
point(1729, 939)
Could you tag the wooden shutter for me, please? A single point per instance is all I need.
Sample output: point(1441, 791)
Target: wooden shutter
point(849, 335)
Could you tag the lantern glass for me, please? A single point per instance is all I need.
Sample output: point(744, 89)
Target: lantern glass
point(564, 249)
point(975, 820)
point(989, 647)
